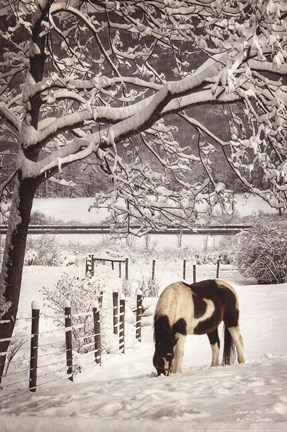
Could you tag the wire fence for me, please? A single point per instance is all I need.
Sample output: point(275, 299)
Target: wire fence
point(182, 268)
point(41, 357)
point(45, 349)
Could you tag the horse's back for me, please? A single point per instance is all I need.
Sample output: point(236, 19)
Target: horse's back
point(182, 300)
point(174, 301)
point(215, 289)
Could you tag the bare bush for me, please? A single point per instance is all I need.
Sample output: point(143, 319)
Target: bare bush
point(82, 293)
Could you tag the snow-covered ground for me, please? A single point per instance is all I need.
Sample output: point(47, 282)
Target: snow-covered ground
point(80, 210)
point(72, 210)
point(124, 394)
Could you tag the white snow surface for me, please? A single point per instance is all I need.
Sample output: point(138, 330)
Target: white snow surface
point(76, 209)
point(124, 393)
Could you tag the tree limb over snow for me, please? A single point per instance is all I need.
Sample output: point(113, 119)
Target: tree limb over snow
point(90, 90)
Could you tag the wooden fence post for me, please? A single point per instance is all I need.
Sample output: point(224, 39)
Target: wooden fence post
point(217, 268)
point(122, 326)
point(68, 334)
point(120, 269)
point(100, 299)
point(153, 269)
point(139, 315)
point(87, 266)
point(90, 265)
point(184, 269)
point(127, 268)
point(115, 311)
point(34, 346)
point(194, 273)
point(97, 333)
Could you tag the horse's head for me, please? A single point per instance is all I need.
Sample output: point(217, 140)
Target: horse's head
point(163, 356)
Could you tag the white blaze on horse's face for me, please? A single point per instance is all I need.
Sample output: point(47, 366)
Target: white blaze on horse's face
point(162, 362)
point(167, 362)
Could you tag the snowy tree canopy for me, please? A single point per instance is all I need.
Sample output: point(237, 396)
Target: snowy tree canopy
point(106, 78)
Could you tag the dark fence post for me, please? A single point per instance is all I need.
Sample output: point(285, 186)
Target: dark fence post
point(184, 269)
point(179, 238)
point(115, 311)
point(87, 266)
point(153, 269)
point(90, 265)
point(139, 315)
point(68, 334)
point(122, 326)
point(120, 269)
point(93, 265)
point(194, 273)
point(100, 299)
point(217, 269)
point(127, 268)
point(97, 337)
point(34, 346)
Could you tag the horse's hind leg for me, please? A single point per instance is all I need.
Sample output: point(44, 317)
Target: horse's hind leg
point(215, 346)
point(238, 342)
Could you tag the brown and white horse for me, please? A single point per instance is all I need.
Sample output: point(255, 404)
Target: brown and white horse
point(197, 309)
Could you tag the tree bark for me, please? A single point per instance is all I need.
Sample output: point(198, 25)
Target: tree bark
point(13, 260)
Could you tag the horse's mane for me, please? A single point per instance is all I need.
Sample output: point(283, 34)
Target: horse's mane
point(162, 328)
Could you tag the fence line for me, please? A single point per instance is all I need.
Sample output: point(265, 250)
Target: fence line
point(91, 260)
point(108, 310)
point(94, 341)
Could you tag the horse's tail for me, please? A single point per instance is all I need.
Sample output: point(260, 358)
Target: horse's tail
point(162, 328)
point(228, 350)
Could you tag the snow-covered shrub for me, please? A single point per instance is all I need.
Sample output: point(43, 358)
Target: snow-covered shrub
point(212, 257)
point(47, 250)
point(149, 287)
point(16, 344)
point(82, 294)
point(68, 258)
point(262, 250)
point(30, 257)
point(128, 288)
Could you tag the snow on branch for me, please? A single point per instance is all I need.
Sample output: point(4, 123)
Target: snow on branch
point(111, 70)
point(8, 114)
point(60, 7)
point(146, 107)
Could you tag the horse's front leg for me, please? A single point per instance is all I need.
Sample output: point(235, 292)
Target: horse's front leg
point(178, 353)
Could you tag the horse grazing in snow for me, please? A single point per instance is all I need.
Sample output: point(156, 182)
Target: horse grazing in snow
point(198, 309)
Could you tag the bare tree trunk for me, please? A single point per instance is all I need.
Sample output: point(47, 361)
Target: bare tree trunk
point(24, 191)
point(13, 259)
